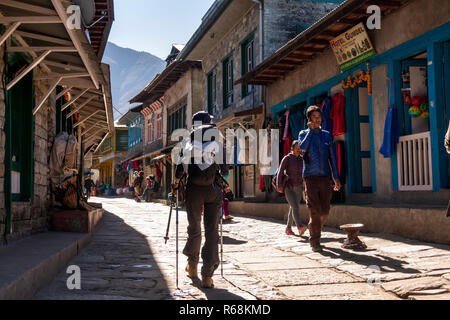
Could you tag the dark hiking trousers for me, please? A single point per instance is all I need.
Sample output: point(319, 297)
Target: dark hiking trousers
point(211, 199)
point(318, 191)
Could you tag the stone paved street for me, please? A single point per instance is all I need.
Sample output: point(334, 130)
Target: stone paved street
point(127, 259)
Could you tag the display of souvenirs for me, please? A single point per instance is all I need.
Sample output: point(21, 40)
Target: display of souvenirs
point(419, 107)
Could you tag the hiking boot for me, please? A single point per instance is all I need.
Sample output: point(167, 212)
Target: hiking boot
point(207, 282)
point(317, 248)
point(302, 230)
point(289, 232)
point(191, 269)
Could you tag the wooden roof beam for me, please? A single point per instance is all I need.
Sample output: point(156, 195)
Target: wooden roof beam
point(41, 37)
point(53, 49)
point(31, 19)
point(9, 31)
point(28, 69)
point(388, 4)
point(27, 7)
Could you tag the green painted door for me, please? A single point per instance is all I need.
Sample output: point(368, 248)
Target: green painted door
point(20, 117)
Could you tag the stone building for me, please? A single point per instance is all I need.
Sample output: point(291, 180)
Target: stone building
point(406, 67)
point(169, 101)
point(233, 38)
point(54, 82)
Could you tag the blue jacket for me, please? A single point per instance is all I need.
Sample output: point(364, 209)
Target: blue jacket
point(318, 145)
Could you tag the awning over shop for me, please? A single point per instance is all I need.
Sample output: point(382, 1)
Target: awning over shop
point(240, 119)
point(41, 29)
point(162, 153)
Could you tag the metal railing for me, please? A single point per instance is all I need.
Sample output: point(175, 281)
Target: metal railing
point(414, 162)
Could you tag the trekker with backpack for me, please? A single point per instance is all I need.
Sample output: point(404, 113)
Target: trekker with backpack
point(203, 190)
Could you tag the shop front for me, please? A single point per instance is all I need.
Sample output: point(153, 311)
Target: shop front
point(244, 173)
point(385, 93)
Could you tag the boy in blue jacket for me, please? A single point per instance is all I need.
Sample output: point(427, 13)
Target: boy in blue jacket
point(319, 167)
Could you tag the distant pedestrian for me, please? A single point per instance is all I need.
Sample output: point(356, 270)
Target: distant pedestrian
point(148, 188)
point(88, 184)
point(290, 169)
point(319, 167)
point(227, 197)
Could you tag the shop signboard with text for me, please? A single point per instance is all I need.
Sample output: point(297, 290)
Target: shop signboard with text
point(352, 47)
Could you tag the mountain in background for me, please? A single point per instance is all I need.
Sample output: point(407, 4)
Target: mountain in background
point(131, 71)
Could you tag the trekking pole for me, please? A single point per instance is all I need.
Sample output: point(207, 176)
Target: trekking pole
point(221, 241)
point(168, 223)
point(177, 236)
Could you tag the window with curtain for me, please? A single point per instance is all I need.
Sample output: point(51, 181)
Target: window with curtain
point(159, 127)
point(247, 59)
point(228, 82)
point(212, 90)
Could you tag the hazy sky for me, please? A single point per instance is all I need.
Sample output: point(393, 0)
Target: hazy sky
point(153, 25)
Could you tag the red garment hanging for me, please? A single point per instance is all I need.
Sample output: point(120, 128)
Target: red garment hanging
point(338, 114)
point(287, 145)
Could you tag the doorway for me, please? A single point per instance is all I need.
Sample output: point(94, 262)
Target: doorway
point(19, 104)
point(358, 139)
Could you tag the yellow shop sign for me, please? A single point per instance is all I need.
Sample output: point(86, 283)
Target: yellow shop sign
point(352, 47)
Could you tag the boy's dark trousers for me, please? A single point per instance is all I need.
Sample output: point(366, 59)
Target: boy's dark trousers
point(318, 192)
point(210, 198)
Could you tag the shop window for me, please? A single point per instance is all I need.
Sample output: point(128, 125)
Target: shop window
point(415, 95)
point(227, 65)
point(159, 127)
point(121, 140)
point(177, 119)
point(149, 131)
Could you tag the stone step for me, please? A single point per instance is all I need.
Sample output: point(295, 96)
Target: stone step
point(29, 264)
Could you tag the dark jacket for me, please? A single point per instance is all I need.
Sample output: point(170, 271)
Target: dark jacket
point(293, 168)
point(317, 144)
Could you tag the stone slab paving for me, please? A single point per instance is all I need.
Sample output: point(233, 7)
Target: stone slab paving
point(128, 259)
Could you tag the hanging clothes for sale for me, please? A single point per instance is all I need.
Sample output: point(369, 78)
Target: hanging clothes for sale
point(337, 114)
point(286, 126)
point(261, 183)
point(391, 135)
point(287, 145)
point(158, 171)
point(339, 148)
point(296, 122)
point(325, 107)
point(391, 128)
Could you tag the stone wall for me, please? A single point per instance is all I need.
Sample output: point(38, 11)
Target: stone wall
point(283, 20)
point(31, 217)
point(230, 44)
